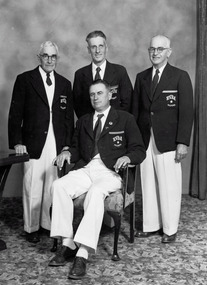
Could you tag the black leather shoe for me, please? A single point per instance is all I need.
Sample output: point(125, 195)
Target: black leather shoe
point(33, 237)
point(141, 234)
point(168, 239)
point(44, 232)
point(78, 269)
point(63, 256)
point(2, 245)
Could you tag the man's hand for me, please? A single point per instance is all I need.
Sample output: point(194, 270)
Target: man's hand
point(121, 163)
point(181, 152)
point(20, 149)
point(60, 159)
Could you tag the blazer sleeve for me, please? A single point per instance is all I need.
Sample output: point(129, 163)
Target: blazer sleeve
point(69, 122)
point(126, 91)
point(135, 146)
point(16, 113)
point(75, 147)
point(77, 94)
point(135, 99)
point(185, 111)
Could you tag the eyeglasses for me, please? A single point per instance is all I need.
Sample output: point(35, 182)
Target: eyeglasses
point(95, 48)
point(158, 49)
point(45, 56)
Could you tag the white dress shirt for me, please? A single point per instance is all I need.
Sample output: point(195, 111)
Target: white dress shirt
point(101, 72)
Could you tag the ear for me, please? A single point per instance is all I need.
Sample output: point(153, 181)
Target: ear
point(110, 95)
point(106, 47)
point(88, 48)
point(169, 51)
point(38, 57)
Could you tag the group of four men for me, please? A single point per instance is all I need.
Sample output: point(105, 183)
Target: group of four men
point(153, 124)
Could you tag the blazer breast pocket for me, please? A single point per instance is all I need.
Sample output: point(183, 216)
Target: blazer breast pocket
point(170, 98)
point(117, 140)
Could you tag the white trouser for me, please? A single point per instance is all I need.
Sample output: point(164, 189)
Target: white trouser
point(98, 181)
point(161, 181)
point(39, 175)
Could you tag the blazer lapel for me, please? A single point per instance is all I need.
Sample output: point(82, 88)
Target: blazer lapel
point(88, 125)
point(88, 73)
point(147, 82)
point(109, 124)
point(58, 87)
point(110, 121)
point(36, 81)
point(109, 72)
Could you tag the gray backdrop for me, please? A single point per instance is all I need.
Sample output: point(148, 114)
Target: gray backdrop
point(128, 24)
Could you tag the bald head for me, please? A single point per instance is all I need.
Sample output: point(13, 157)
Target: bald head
point(161, 38)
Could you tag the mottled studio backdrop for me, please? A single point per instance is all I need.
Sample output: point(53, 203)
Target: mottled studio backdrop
point(128, 24)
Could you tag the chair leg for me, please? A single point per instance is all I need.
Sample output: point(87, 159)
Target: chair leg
point(55, 240)
point(117, 224)
point(132, 222)
point(55, 244)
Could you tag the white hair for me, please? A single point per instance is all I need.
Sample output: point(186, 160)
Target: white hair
point(48, 43)
point(163, 37)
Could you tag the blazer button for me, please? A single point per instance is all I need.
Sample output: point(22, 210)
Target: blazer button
point(152, 113)
point(45, 132)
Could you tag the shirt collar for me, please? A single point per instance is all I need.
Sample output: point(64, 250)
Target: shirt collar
point(102, 66)
point(160, 70)
point(106, 112)
point(44, 74)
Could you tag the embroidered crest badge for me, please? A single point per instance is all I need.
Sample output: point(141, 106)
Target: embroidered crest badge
point(114, 91)
point(171, 100)
point(117, 140)
point(63, 102)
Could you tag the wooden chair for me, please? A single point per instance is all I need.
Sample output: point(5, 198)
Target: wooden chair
point(114, 204)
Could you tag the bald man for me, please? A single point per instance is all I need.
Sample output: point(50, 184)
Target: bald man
point(163, 107)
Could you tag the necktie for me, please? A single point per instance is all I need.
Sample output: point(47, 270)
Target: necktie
point(97, 76)
point(154, 82)
point(97, 132)
point(48, 80)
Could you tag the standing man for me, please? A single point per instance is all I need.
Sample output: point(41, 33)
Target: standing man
point(115, 142)
point(163, 107)
point(41, 121)
point(116, 75)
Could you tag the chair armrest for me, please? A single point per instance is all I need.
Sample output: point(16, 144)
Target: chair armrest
point(129, 178)
point(65, 169)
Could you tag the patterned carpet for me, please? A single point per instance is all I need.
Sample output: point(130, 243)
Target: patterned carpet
point(147, 261)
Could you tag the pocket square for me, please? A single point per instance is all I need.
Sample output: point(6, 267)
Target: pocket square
point(116, 133)
point(170, 91)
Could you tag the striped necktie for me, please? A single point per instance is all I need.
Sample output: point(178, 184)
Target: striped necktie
point(97, 132)
point(155, 82)
point(48, 80)
point(97, 76)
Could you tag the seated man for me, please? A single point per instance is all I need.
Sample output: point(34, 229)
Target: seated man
point(114, 143)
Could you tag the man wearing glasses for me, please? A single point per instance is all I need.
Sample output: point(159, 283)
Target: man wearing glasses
point(41, 121)
point(163, 107)
point(100, 68)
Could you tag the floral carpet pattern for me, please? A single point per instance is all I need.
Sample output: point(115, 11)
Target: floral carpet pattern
point(147, 261)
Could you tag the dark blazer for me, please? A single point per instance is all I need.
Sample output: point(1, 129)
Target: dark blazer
point(29, 113)
point(169, 113)
point(120, 136)
point(116, 75)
